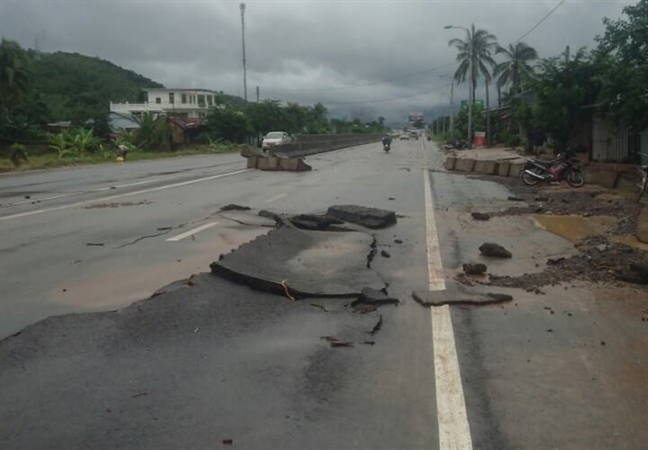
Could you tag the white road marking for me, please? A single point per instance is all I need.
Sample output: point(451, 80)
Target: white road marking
point(454, 430)
point(192, 232)
point(127, 194)
point(436, 280)
point(275, 198)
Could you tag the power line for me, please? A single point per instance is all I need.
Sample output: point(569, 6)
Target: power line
point(541, 20)
point(388, 80)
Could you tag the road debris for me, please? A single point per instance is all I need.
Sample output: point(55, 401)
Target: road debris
point(234, 207)
point(317, 305)
point(318, 222)
point(115, 205)
point(457, 294)
point(141, 394)
point(341, 344)
point(398, 241)
point(361, 215)
point(286, 290)
point(385, 254)
point(474, 268)
point(513, 198)
point(369, 342)
point(480, 216)
point(370, 296)
point(95, 244)
point(494, 250)
point(228, 441)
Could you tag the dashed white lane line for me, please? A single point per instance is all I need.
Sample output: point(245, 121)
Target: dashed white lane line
point(127, 194)
point(275, 198)
point(192, 232)
point(454, 429)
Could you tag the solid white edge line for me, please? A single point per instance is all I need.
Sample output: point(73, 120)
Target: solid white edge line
point(454, 430)
point(436, 279)
point(452, 417)
point(192, 232)
point(113, 197)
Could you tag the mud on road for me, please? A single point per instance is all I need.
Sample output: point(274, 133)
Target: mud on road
point(601, 224)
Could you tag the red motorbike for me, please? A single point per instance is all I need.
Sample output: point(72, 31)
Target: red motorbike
point(561, 168)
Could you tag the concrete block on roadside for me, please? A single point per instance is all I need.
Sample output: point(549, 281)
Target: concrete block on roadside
point(486, 167)
point(628, 181)
point(642, 225)
point(605, 177)
point(515, 169)
point(465, 164)
point(252, 162)
point(503, 169)
point(450, 163)
point(294, 165)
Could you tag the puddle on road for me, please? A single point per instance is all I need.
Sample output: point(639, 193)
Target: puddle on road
point(574, 228)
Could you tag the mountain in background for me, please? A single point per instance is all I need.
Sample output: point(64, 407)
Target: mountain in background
point(71, 86)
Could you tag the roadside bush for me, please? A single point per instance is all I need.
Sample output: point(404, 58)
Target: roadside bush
point(73, 143)
point(513, 140)
point(18, 155)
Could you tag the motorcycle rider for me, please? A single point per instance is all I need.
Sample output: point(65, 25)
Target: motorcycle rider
point(386, 140)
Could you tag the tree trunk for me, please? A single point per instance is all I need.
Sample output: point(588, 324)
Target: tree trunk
point(499, 95)
point(488, 123)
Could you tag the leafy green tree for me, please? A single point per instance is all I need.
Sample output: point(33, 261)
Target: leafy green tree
point(227, 124)
point(14, 74)
point(562, 88)
point(516, 67)
point(622, 57)
point(153, 132)
point(478, 46)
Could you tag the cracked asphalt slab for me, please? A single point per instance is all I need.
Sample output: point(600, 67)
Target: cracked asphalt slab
point(207, 360)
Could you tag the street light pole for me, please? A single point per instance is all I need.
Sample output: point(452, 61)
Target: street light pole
point(471, 79)
point(242, 6)
point(451, 106)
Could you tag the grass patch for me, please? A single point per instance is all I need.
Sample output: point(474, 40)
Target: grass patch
point(51, 160)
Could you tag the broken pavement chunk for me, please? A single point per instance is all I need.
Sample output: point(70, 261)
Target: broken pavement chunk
point(234, 207)
point(361, 215)
point(480, 216)
point(370, 296)
point(474, 268)
point(458, 296)
point(494, 250)
point(385, 254)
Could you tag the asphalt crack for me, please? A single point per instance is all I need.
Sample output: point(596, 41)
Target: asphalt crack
point(148, 236)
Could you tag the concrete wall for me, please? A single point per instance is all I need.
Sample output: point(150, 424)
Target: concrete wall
point(309, 144)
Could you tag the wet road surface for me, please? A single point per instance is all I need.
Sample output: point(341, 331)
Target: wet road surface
point(214, 360)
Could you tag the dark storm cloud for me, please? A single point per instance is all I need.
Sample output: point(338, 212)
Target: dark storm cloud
point(299, 44)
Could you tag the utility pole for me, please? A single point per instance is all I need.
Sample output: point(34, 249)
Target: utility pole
point(451, 106)
point(257, 94)
point(242, 6)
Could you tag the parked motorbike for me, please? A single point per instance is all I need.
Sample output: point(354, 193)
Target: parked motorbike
point(459, 144)
point(561, 168)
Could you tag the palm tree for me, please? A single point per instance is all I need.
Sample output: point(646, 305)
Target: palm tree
point(14, 74)
point(516, 69)
point(476, 52)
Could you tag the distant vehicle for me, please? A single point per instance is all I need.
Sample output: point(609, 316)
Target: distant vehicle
point(404, 137)
point(414, 134)
point(276, 138)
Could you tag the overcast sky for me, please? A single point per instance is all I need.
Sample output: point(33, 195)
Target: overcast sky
point(295, 49)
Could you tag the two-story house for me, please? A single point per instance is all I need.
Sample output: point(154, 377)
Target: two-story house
point(184, 103)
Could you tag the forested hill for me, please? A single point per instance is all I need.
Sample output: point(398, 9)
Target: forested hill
point(74, 86)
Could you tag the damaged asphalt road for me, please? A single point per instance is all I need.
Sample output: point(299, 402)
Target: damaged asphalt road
point(207, 362)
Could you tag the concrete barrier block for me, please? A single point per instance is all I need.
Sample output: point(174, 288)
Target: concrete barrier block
point(515, 169)
point(294, 165)
point(486, 167)
point(642, 225)
point(450, 162)
point(628, 181)
point(605, 177)
point(252, 162)
point(503, 169)
point(464, 164)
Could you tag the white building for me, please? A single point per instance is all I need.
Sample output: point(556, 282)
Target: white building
point(186, 103)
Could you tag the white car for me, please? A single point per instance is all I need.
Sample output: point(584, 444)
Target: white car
point(275, 138)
